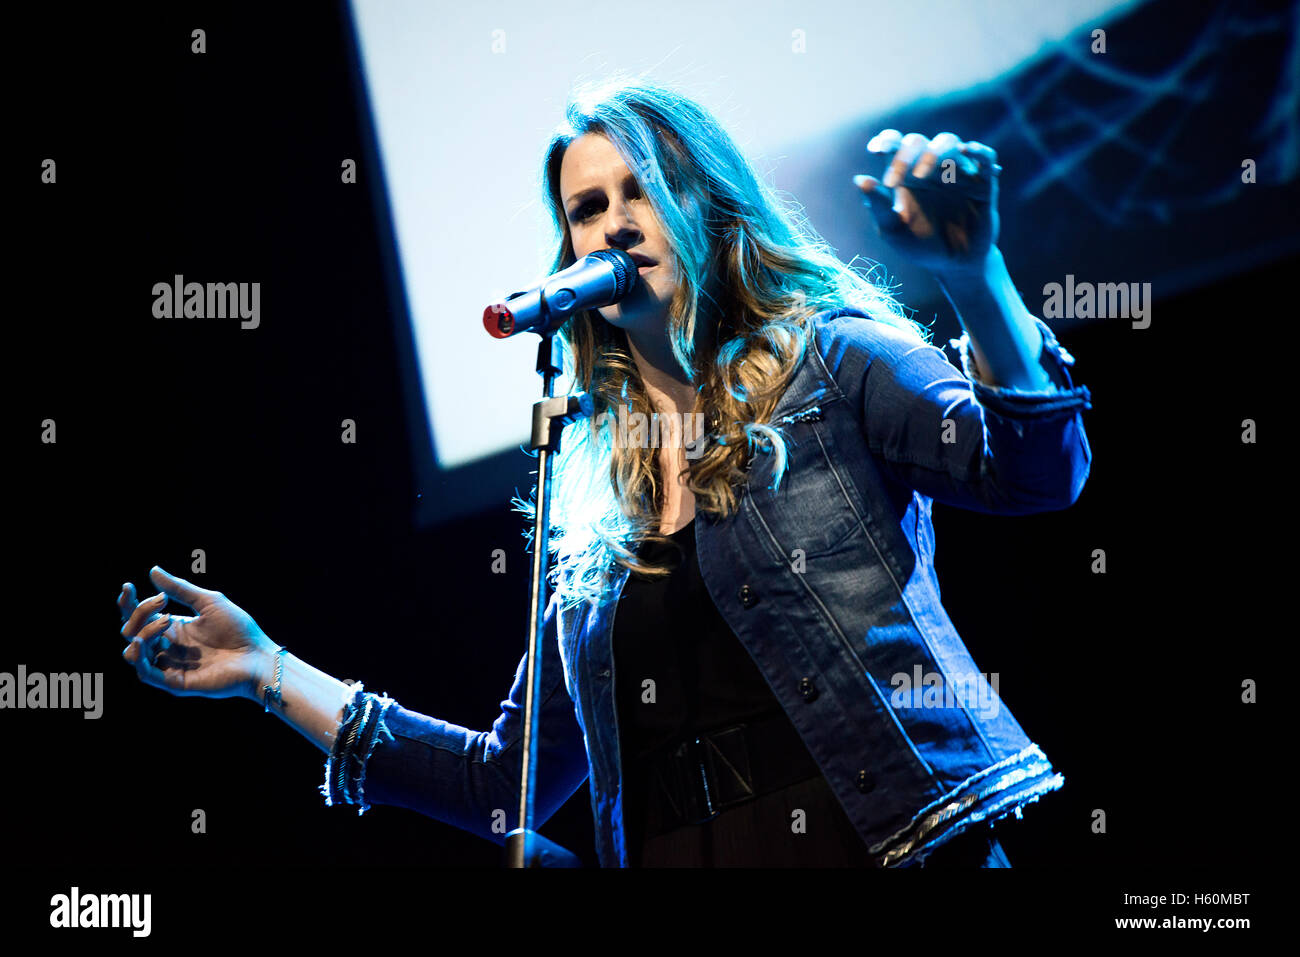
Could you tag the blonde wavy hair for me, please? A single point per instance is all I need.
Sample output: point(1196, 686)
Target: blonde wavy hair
point(753, 273)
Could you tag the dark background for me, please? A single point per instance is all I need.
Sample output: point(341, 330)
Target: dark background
point(186, 434)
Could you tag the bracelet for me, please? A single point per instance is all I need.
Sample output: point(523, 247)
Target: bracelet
point(332, 789)
point(347, 755)
point(361, 729)
point(271, 692)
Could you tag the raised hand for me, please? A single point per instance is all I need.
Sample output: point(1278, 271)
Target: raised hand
point(937, 203)
point(213, 654)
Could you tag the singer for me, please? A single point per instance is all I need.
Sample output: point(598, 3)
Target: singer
point(736, 630)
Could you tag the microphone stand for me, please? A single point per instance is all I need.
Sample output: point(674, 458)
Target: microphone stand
point(524, 846)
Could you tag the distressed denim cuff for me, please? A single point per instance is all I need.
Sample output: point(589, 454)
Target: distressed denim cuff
point(1006, 787)
point(361, 727)
point(1063, 397)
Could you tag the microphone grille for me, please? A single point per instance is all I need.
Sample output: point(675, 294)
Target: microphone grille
point(625, 273)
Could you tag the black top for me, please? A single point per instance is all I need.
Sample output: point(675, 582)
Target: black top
point(669, 631)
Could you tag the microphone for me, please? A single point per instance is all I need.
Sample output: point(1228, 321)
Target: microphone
point(598, 279)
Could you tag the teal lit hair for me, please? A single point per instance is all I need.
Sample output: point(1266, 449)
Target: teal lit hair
point(751, 267)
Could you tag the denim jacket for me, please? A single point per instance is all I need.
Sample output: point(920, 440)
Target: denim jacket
point(828, 581)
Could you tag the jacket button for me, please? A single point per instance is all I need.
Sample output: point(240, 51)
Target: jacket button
point(748, 597)
point(865, 781)
point(808, 689)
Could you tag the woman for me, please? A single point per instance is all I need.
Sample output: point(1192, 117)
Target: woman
point(789, 688)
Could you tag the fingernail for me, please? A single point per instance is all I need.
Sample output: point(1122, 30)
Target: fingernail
point(160, 598)
point(859, 180)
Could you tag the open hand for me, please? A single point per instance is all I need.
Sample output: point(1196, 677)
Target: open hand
point(212, 654)
point(937, 203)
